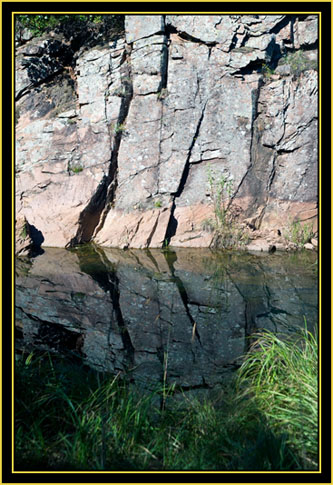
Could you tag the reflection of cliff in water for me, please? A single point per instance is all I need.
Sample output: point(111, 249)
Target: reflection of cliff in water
point(187, 312)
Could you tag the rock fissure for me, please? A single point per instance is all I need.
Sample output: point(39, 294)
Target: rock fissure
point(172, 226)
point(111, 181)
point(272, 174)
point(253, 139)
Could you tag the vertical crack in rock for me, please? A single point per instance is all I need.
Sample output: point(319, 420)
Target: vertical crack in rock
point(272, 174)
point(93, 216)
point(163, 89)
point(254, 137)
point(172, 225)
point(127, 84)
point(107, 279)
point(165, 60)
point(153, 229)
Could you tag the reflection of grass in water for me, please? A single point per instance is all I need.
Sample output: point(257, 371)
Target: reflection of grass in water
point(67, 419)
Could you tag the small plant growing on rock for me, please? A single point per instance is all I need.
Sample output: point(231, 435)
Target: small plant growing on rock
point(76, 168)
point(228, 233)
point(298, 62)
point(119, 128)
point(162, 94)
point(24, 231)
point(158, 203)
point(297, 233)
point(121, 92)
point(267, 71)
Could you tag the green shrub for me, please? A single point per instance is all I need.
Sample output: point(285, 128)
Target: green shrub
point(267, 71)
point(297, 233)
point(298, 62)
point(228, 233)
point(40, 23)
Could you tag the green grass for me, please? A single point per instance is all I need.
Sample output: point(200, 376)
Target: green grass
point(297, 233)
point(71, 418)
point(280, 376)
point(228, 233)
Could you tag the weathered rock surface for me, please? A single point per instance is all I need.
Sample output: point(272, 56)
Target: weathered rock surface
point(24, 243)
point(147, 311)
point(113, 142)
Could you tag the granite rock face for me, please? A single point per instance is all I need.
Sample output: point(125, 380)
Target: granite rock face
point(114, 142)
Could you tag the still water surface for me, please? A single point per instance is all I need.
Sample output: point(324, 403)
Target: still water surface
point(187, 315)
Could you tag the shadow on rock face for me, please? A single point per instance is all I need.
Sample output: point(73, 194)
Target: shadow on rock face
point(38, 239)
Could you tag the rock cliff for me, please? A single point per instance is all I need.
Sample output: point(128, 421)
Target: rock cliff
point(114, 140)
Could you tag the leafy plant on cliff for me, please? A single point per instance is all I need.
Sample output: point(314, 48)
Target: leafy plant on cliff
point(76, 168)
point(162, 94)
point(118, 128)
point(297, 233)
point(267, 71)
point(40, 23)
point(299, 62)
point(228, 233)
point(24, 231)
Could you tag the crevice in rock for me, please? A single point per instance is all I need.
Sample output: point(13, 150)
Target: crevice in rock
point(307, 47)
point(233, 42)
point(172, 225)
point(92, 218)
point(113, 169)
point(283, 23)
point(186, 36)
point(150, 237)
point(163, 88)
point(253, 139)
point(272, 174)
point(250, 68)
point(165, 60)
point(281, 151)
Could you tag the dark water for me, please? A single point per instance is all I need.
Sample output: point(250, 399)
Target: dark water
point(186, 316)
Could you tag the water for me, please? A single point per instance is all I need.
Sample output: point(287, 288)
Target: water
point(182, 316)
